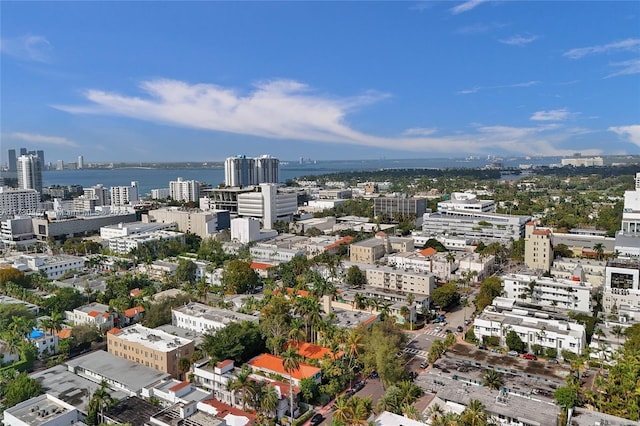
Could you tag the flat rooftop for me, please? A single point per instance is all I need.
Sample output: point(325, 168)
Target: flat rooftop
point(152, 338)
point(223, 316)
point(529, 411)
point(182, 332)
point(69, 387)
point(39, 410)
point(133, 410)
point(130, 375)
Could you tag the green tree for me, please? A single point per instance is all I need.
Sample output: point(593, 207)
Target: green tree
point(100, 401)
point(239, 341)
point(514, 343)
point(490, 288)
point(446, 296)
point(309, 389)
point(186, 271)
point(20, 388)
point(475, 414)
point(355, 277)
point(238, 277)
point(242, 383)
point(492, 379)
point(269, 400)
point(434, 244)
point(567, 396)
point(291, 362)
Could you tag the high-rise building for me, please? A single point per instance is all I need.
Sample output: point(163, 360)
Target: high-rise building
point(538, 250)
point(12, 161)
point(29, 172)
point(243, 171)
point(184, 190)
point(59, 165)
point(80, 162)
point(99, 193)
point(124, 195)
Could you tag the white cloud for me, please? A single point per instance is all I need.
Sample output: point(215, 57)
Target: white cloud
point(27, 47)
point(519, 40)
point(503, 86)
point(43, 139)
point(290, 110)
point(632, 44)
point(629, 67)
point(480, 28)
point(419, 131)
point(551, 115)
point(630, 133)
point(466, 6)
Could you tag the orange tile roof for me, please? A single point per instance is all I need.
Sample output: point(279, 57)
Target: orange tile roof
point(274, 363)
point(346, 240)
point(542, 232)
point(65, 333)
point(259, 265)
point(429, 251)
point(93, 313)
point(132, 312)
point(114, 331)
point(301, 293)
point(179, 386)
point(135, 292)
point(309, 350)
point(381, 234)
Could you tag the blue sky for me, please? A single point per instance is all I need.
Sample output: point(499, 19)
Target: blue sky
point(201, 81)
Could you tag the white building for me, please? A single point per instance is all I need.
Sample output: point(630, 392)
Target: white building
point(124, 245)
point(52, 266)
point(465, 201)
point(582, 161)
point(622, 288)
point(247, 229)
point(45, 342)
point(273, 253)
point(124, 195)
point(268, 205)
point(184, 190)
point(591, 271)
point(475, 225)
point(132, 228)
point(43, 410)
point(30, 172)
point(160, 193)
point(18, 201)
point(533, 327)
point(17, 232)
point(95, 314)
point(202, 223)
point(201, 318)
point(569, 294)
point(99, 193)
point(628, 239)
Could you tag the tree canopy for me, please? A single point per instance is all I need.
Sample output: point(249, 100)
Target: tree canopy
point(445, 296)
point(238, 277)
point(239, 341)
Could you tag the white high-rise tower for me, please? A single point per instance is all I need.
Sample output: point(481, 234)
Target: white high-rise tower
point(30, 172)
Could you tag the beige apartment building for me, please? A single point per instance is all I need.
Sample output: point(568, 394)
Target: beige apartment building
point(368, 251)
point(538, 252)
point(389, 278)
point(151, 348)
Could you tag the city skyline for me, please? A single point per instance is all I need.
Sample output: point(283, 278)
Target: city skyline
point(160, 81)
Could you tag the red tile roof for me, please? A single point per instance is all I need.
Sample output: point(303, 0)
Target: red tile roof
point(93, 314)
point(542, 232)
point(114, 331)
point(301, 293)
point(309, 350)
point(274, 363)
point(135, 292)
point(381, 234)
point(132, 312)
point(65, 333)
point(179, 386)
point(346, 240)
point(429, 251)
point(259, 265)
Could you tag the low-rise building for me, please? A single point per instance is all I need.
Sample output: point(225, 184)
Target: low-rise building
point(151, 348)
point(273, 253)
point(133, 228)
point(465, 201)
point(43, 410)
point(205, 319)
point(95, 314)
point(532, 326)
point(53, 267)
point(572, 295)
point(388, 278)
point(195, 221)
point(392, 206)
point(17, 232)
point(124, 245)
point(18, 201)
point(591, 271)
point(475, 225)
point(272, 364)
point(12, 300)
point(45, 342)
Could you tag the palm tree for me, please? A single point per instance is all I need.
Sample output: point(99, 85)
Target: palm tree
point(385, 308)
point(290, 363)
point(599, 249)
point(411, 412)
point(492, 379)
point(243, 384)
point(269, 400)
point(55, 321)
point(451, 258)
point(342, 411)
point(360, 410)
point(100, 401)
point(617, 331)
point(184, 365)
point(475, 414)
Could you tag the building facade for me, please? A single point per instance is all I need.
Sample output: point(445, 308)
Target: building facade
point(151, 348)
point(243, 171)
point(403, 206)
point(124, 195)
point(475, 225)
point(184, 190)
point(203, 319)
point(388, 278)
point(18, 201)
point(566, 294)
point(538, 251)
point(465, 201)
point(622, 288)
point(30, 172)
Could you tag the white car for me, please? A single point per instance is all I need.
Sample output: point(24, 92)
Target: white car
point(438, 329)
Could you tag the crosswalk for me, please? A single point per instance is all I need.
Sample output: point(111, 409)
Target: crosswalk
point(415, 352)
point(441, 334)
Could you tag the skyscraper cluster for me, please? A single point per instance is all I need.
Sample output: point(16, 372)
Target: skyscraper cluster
point(28, 168)
point(243, 171)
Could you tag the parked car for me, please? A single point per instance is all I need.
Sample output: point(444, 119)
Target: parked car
point(438, 329)
point(374, 375)
point(529, 356)
point(467, 322)
point(460, 329)
point(359, 386)
point(482, 347)
point(448, 331)
point(512, 353)
point(316, 419)
point(552, 361)
point(437, 320)
point(424, 364)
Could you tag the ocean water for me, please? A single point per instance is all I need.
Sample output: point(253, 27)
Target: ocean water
point(149, 179)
